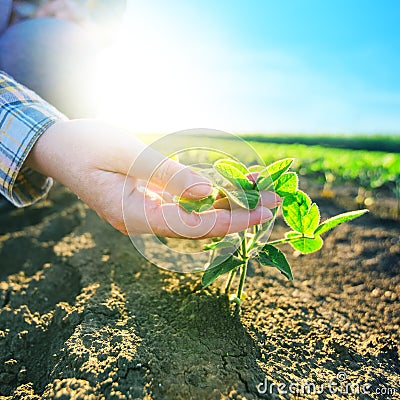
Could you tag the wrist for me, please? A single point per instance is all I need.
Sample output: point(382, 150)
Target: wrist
point(70, 150)
point(48, 155)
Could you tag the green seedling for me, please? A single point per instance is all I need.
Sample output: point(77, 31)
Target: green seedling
point(232, 254)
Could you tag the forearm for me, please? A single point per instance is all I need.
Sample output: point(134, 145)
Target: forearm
point(70, 151)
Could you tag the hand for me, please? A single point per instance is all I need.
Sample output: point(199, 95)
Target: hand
point(94, 160)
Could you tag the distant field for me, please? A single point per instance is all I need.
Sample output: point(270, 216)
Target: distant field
point(364, 167)
point(370, 169)
point(355, 142)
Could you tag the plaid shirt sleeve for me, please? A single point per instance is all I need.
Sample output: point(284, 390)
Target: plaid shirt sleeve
point(24, 116)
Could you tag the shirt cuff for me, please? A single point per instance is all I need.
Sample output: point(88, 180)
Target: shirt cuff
point(24, 117)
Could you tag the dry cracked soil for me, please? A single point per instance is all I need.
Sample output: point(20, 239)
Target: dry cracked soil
point(84, 316)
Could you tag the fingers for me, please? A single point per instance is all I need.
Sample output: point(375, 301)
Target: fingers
point(145, 213)
point(252, 176)
point(235, 221)
point(269, 199)
point(170, 175)
point(163, 194)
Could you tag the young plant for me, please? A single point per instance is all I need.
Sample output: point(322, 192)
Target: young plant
point(242, 189)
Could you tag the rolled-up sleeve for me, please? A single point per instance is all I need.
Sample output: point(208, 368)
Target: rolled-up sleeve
point(24, 117)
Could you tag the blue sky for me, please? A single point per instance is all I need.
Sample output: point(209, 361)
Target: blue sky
point(264, 66)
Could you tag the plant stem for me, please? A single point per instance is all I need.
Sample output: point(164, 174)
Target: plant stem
point(255, 229)
point(243, 268)
point(286, 240)
point(280, 241)
point(261, 229)
point(242, 278)
point(229, 282)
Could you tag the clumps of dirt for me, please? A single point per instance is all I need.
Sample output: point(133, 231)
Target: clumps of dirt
point(20, 289)
point(72, 244)
point(83, 315)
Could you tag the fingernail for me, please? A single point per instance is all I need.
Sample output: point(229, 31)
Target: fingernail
point(266, 214)
point(278, 200)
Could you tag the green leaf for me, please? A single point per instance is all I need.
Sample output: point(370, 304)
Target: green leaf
point(234, 172)
point(286, 184)
point(276, 169)
point(238, 165)
point(219, 266)
point(256, 168)
point(264, 183)
point(233, 242)
point(311, 220)
point(162, 239)
point(304, 244)
point(337, 220)
point(190, 205)
point(272, 172)
point(271, 256)
point(294, 208)
point(246, 199)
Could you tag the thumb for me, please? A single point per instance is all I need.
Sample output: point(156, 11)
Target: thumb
point(170, 175)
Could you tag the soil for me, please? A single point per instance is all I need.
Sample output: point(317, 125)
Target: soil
point(84, 316)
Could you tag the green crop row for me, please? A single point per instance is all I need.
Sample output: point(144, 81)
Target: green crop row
point(384, 143)
point(368, 169)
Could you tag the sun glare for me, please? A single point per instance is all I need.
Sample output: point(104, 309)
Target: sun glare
point(151, 80)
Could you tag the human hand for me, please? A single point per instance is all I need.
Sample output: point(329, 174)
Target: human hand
point(94, 159)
